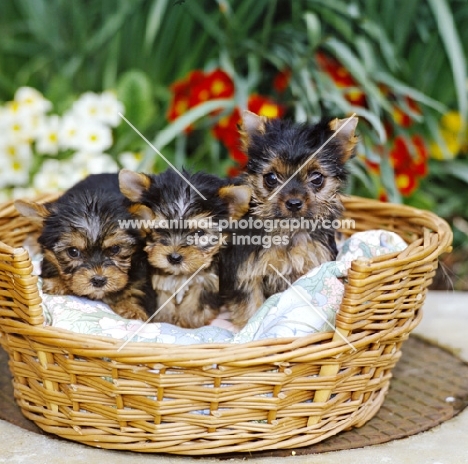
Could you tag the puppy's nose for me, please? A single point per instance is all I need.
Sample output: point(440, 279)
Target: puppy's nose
point(174, 258)
point(294, 204)
point(98, 281)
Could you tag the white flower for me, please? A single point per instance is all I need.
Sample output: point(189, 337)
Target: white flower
point(87, 106)
point(56, 175)
point(131, 160)
point(94, 137)
point(33, 100)
point(17, 160)
point(69, 132)
point(110, 109)
point(104, 108)
point(93, 163)
point(17, 123)
point(48, 136)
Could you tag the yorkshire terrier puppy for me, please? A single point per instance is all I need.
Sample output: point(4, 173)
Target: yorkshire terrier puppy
point(295, 171)
point(87, 253)
point(184, 238)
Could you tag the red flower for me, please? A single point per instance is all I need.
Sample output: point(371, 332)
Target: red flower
point(337, 72)
point(181, 94)
point(264, 106)
point(216, 84)
point(281, 80)
point(356, 97)
point(409, 162)
point(226, 129)
point(342, 78)
point(196, 88)
point(406, 183)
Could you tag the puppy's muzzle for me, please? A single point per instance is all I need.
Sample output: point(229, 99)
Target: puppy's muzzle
point(98, 281)
point(174, 258)
point(294, 204)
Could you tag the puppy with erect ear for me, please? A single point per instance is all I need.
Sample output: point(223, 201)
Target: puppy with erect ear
point(295, 172)
point(183, 215)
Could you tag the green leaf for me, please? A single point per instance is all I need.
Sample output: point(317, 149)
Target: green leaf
point(134, 90)
point(313, 29)
point(388, 180)
point(153, 23)
point(411, 92)
point(359, 170)
point(404, 23)
point(456, 168)
point(453, 48)
point(170, 132)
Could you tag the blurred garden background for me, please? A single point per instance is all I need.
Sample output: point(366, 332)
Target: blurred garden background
point(180, 71)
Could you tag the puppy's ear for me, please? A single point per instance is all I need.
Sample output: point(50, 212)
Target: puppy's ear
point(345, 135)
point(31, 209)
point(237, 198)
point(133, 184)
point(251, 124)
point(141, 212)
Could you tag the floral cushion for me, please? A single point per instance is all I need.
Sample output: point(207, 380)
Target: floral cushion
point(307, 307)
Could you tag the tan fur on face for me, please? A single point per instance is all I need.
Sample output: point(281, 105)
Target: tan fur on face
point(81, 285)
point(123, 299)
point(192, 258)
point(318, 204)
point(185, 309)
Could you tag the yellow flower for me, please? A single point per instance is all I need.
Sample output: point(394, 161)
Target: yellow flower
point(269, 110)
point(452, 121)
point(451, 130)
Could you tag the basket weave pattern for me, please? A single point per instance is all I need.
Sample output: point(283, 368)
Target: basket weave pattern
point(207, 399)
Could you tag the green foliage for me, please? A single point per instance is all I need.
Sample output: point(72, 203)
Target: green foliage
point(140, 47)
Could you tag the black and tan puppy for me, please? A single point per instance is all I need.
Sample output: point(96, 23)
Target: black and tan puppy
point(183, 238)
point(87, 253)
point(295, 171)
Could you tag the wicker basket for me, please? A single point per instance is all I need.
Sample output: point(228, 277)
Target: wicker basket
point(208, 399)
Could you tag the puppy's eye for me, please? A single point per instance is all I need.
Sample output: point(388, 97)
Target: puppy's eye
point(113, 250)
point(199, 232)
point(270, 179)
point(73, 252)
point(316, 179)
